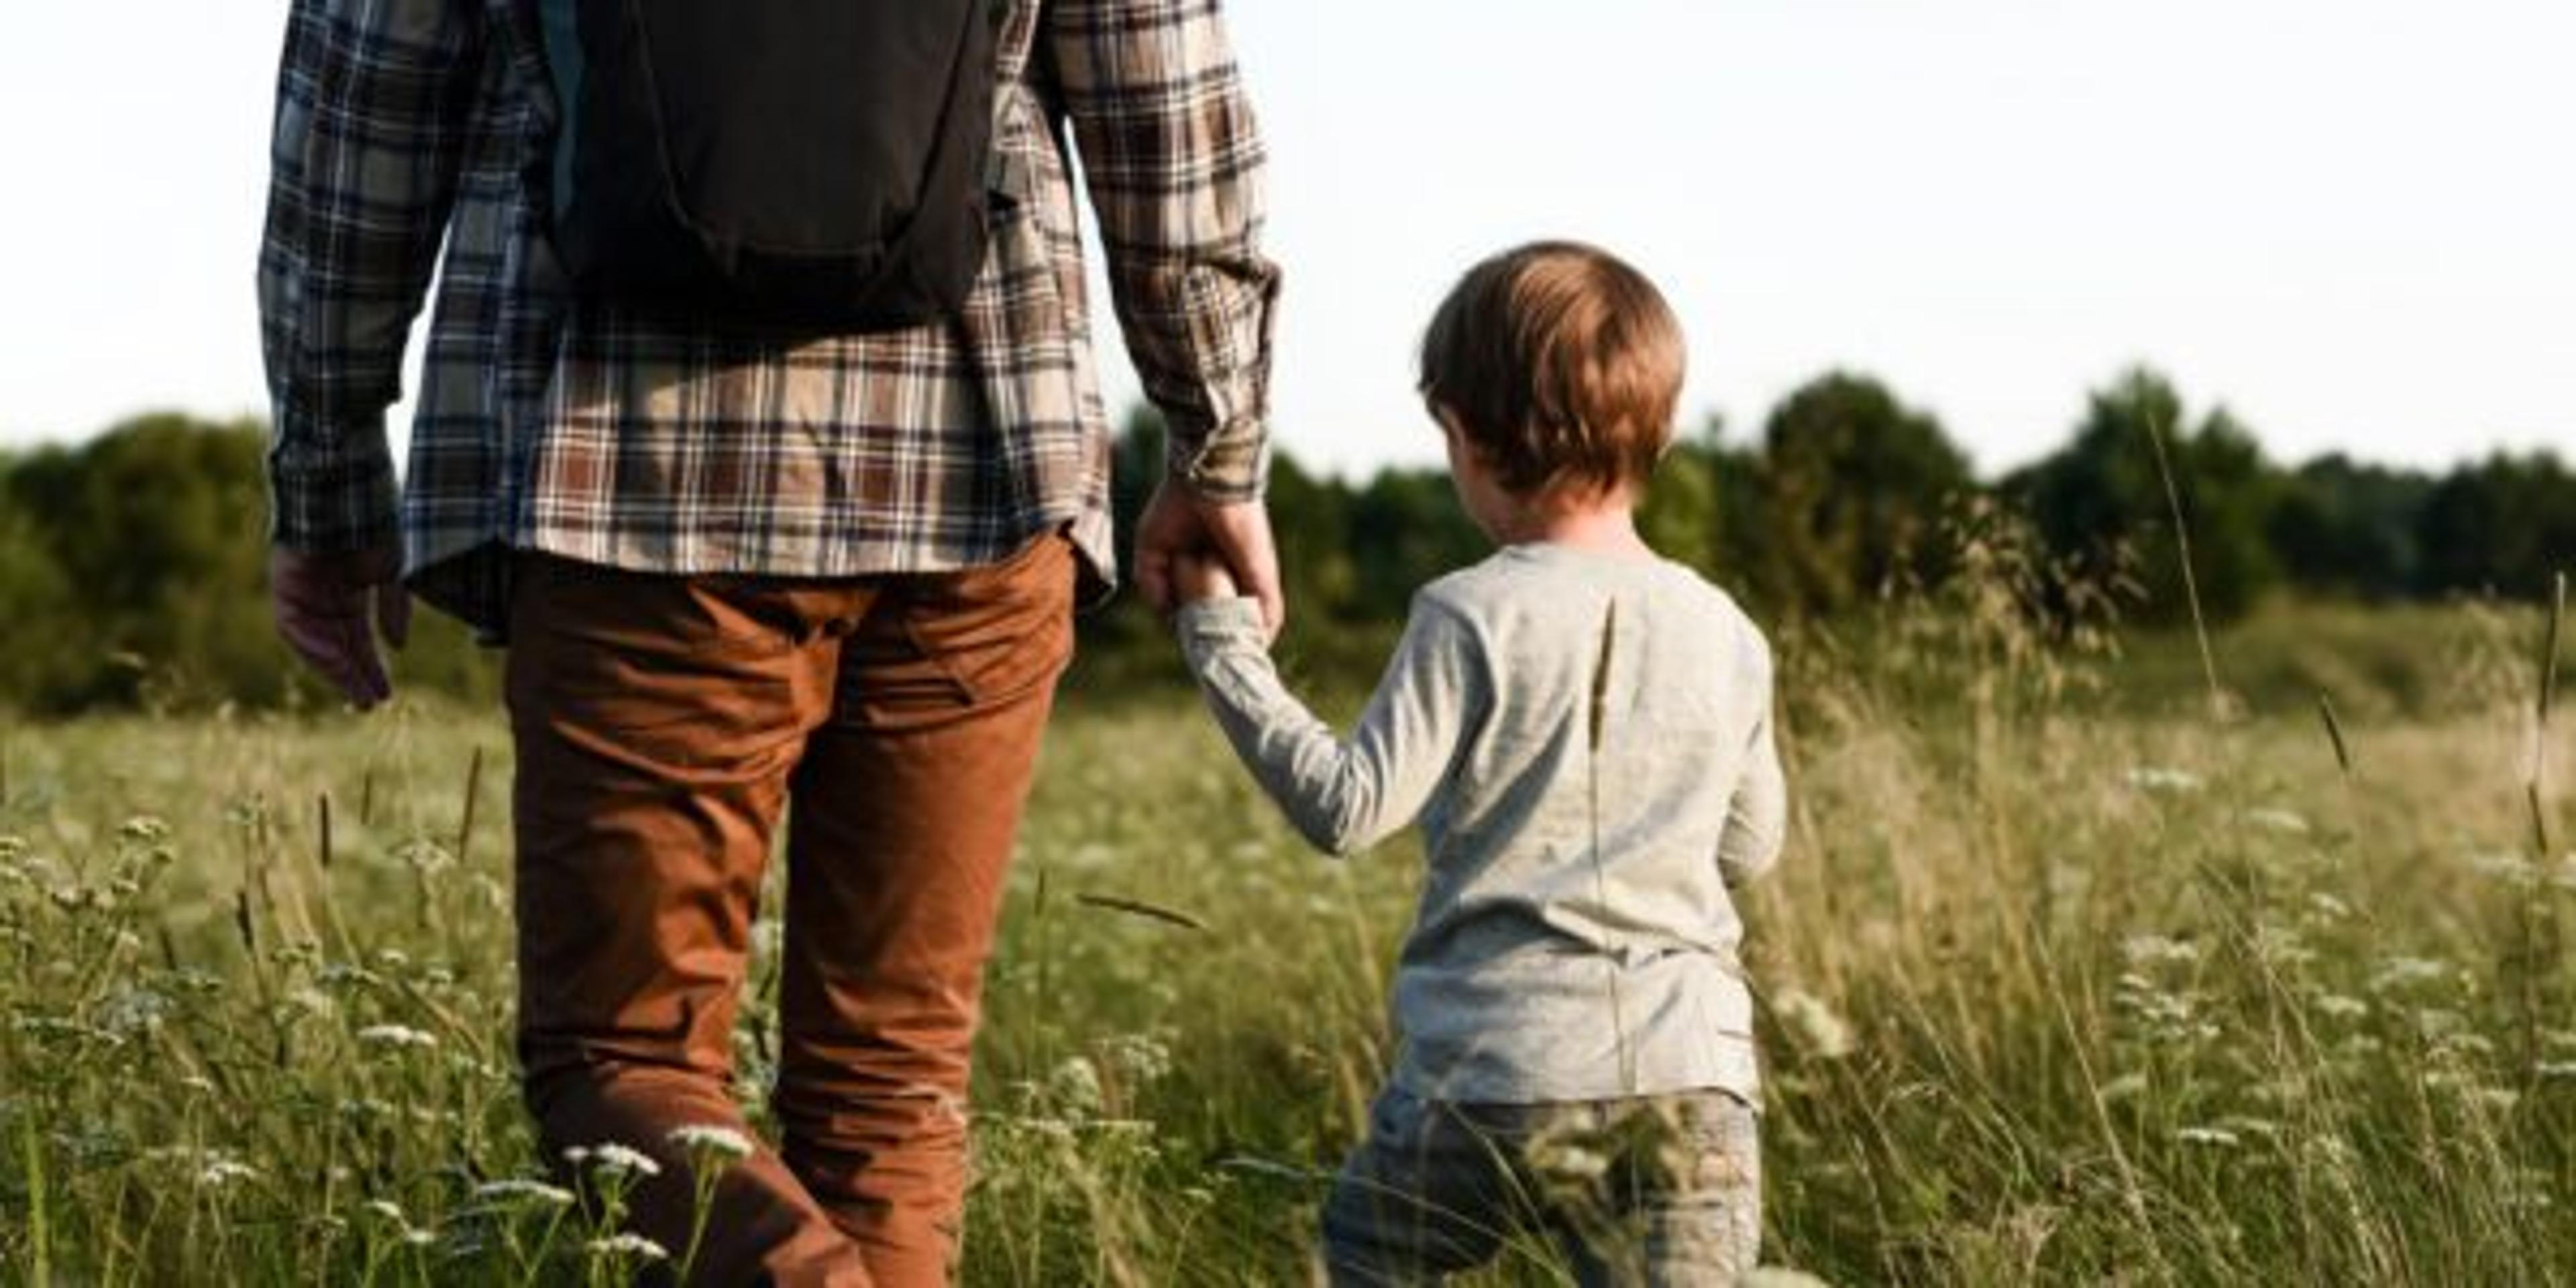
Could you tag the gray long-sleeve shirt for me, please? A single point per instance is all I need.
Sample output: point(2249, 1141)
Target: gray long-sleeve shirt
point(1586, 741)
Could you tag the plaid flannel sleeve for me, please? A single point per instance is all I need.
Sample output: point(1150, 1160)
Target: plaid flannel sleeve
point(374, 107)
point(1174, 165)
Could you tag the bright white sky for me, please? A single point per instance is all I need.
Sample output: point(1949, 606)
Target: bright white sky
point(2354, 221)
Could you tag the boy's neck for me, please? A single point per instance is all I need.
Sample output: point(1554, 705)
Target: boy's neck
point(1606, 526)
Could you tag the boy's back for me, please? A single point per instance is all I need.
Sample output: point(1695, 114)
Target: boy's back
point(1576, 939)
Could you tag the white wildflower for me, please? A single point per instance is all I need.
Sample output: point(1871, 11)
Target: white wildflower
point(2159, 950)
point(2326, 907)
point(396, 1036)
point(220, 1171)
point(2528, 1188)
point(2436, 1024)
point(2408, 972)
point(712, 1141)
point(2278, 1091)
point(2498, 1100)
point(143, 829)
point(628, 1245)
point(2282, 948)
point(2468, 1043)
point(514, 1189)
point(1139, 1059)
point(2509, 869)
point(134, 1011)
point(2157, 778)
point(1075, 1086)
point(1822, 1032)
point(620, 1160)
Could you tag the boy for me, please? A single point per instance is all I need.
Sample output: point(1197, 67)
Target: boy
point(1584, 731)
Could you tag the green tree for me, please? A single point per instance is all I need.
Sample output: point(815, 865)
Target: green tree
point(2502, 526)
point(2100, 500)
point(157, 529)
point(1405, 529)
point(1709, 508)
point(1680, 517)
point(1856, 486)
point(2346, 528)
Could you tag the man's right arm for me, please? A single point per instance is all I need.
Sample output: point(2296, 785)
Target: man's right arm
point(1175, 165)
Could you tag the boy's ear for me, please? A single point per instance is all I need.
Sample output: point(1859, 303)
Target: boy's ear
point(1448, 419)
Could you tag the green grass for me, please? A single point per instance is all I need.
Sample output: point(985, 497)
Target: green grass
point(2058, 985)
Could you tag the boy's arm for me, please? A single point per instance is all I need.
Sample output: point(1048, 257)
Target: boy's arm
point(1174, 166)
point(1757, 816)
point(1342, 794)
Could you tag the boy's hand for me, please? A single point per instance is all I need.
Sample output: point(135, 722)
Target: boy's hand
point(1199, 577)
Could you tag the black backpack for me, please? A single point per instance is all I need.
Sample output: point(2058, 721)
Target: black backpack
point(817, 164)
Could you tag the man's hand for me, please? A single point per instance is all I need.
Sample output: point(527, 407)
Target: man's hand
point(1197, 577)
point(329, 608)
point(1236, 536)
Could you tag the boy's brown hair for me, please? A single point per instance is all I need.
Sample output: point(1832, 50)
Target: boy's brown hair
point(1561, 365)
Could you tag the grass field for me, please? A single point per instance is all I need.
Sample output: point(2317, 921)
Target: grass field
point(2058, 986)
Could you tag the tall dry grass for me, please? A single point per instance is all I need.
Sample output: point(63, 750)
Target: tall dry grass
point(2055, 987)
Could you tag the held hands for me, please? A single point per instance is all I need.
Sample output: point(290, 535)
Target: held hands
point(1231, 539)
point(1196, 578)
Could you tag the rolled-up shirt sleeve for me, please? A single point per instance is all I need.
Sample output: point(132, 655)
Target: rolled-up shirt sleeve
point(1174, 165)
point(374, 109)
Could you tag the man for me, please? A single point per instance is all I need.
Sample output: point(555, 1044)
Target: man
point(735, 569)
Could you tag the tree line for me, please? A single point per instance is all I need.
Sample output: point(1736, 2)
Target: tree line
point(1847, 492)
point(132, 567)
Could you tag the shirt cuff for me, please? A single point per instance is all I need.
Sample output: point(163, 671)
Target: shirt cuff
point(339, 499)
point(1229, 466)
point(1211, 626)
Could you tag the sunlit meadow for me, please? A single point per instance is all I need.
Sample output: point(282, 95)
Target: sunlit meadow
point(2067, 977)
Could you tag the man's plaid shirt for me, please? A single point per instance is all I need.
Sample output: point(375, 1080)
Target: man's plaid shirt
point(567, 427)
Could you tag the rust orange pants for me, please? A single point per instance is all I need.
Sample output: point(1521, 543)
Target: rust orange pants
point(663, 724)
